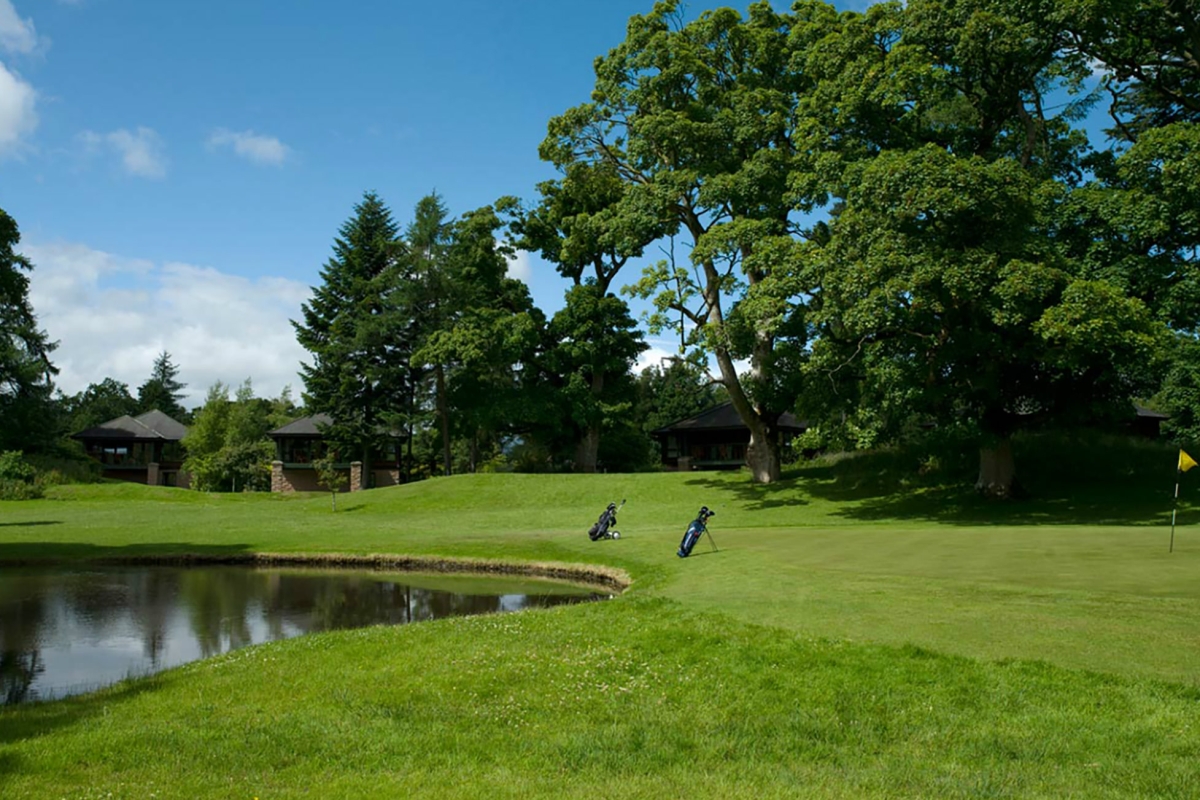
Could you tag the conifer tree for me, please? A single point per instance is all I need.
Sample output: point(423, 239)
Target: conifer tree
point(357, 374)
point(26, 418)
point(427, 296)
point(161, 391)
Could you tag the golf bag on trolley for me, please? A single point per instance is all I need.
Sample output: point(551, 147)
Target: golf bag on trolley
point(605, 527)
point(695, 530)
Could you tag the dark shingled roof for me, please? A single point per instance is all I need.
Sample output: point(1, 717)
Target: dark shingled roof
point(311, 426)
point(725, 418)
point(151, 426)
point(1147, 413)
point(305, 426)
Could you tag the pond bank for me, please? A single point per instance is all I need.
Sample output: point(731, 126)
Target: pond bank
point(591, 575)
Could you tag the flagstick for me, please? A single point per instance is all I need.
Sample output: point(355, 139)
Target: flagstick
point(1174, 505)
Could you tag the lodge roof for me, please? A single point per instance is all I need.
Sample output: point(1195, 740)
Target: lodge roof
point(1148, 413)
point(309, 427)
point(725, 418)
point(305, 426)
point(151, 426)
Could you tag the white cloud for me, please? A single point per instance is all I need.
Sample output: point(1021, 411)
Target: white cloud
point(520, 267)
point(17, 115)
point(251, 146)
point(112, 316)
point(142, 151)
point(656, 356)
point(16, 35)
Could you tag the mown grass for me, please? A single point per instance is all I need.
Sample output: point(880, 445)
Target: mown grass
point(857, 634)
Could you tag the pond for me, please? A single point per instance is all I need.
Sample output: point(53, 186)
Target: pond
point(65, 631)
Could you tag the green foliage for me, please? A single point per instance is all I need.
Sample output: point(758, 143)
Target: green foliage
point(27, 415)
point(1137, 225)
point(161, 391)
point(1147, 49)
point(18, 479)
point(697, 120)
point(227, 445)
point(330, 476)
point(97, 404)
point(594, 342)
point(944, 294)
point(358, 372)
point(967, 275)
point(1180, 393)
point(673, 391)
point(66, 464)
point(14, 468)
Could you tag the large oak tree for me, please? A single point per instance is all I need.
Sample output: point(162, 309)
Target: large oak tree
point(696, 119)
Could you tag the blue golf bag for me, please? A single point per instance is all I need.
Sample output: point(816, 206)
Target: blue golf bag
point(695, 530)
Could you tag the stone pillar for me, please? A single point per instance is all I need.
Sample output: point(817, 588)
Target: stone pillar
point(152, 474)
point(277, 482)
point(356, 476)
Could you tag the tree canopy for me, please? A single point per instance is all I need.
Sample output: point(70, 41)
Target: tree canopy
point(26, 410)
point(896, 215)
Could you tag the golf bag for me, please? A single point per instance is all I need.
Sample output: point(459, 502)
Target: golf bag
point(698, 528)
point(605, 527)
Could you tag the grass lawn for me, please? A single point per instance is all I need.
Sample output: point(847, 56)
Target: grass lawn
point(852, 637)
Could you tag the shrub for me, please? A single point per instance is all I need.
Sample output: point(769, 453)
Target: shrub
point(66, 467)
point(18, 480)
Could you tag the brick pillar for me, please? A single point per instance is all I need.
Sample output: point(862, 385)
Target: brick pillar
point(152, 474)
point(356, 476)
point(277, 482)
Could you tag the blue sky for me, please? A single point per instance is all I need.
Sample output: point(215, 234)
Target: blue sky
point(179, 169)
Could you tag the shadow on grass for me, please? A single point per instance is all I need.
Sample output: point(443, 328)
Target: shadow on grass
point(1102, 482)
point(30, 524)
point(755, 496)
point(51, 552)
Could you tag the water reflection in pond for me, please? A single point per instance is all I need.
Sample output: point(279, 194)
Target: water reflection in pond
point(66, 631)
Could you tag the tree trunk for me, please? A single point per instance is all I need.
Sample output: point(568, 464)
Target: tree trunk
point(443, 417)
point(997, 470)
point(587, 449)
point(412, 406)
point(762, 455)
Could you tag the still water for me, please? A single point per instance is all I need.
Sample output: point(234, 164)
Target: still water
point(69, 630)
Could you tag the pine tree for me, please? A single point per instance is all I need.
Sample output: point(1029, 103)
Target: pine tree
point(27, 420)
point(427, 295)
point(358, 370)
point(161, 391)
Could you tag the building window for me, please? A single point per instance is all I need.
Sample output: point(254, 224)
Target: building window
point(301, 451)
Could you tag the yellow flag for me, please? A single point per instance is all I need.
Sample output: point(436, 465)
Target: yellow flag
point(1186, 462)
